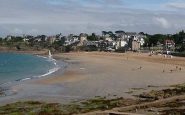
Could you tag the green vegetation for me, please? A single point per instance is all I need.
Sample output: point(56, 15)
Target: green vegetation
point(152, 40)
point(156, 39)
point(100, 103)
point(40, 108)
point(180, 54)
point(165, 93)
point(92, 37)
point(57, 42)
point(164, 104)
point(18, 43)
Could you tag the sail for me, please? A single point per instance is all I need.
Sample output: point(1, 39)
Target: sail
point(50, 56)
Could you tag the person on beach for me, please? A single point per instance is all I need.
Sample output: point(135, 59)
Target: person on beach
point(140, 68)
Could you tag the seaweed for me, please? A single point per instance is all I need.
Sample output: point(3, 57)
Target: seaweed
point(41, 108)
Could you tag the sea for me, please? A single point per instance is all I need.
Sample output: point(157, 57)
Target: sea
point(20, 67)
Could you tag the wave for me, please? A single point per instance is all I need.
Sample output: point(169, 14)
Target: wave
point(49, 59)
point(39, 76)
point(48, 73)
point(24, 79)
point(42, 56)
point(56, 68)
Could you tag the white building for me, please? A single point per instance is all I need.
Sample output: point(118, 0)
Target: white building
point(83, 39)
point(121, 44)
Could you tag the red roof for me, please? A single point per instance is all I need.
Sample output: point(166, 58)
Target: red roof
point(169, 42)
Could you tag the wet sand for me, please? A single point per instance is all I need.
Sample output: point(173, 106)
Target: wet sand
point(100, 74)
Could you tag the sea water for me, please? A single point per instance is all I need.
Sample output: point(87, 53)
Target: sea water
point(19, 67)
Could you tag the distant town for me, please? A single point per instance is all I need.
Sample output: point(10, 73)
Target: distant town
point(118, 41)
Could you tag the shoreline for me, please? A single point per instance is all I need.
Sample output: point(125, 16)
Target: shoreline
point(84, 71)
point(33, 52)
point(5, 88)
point(94, 74)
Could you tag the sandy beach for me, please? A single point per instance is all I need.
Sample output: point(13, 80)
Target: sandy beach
point(100, 74)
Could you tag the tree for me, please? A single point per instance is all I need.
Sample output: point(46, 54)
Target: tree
point(1, 40)
point(92, 37)
point(119, 32)
point(43, 37)
point(104, 33)
point(147, 41)
point(17, 39)
point(142, 33)
point(58, 43)
point(154, 39)
point(110, 32)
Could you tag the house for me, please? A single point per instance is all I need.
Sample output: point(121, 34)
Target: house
point(75, 38)
point(37, 39)
point(59, 37)
point(102, 45)
point(68, 40)
point(134, 43)
point(108, 38)
point(51, 39)
point(169, 45)
point(91, 45)
point(83, 39)
point(130, 34)
point(142, 41)
point(183, 41)
point(141, 37)
point(26, 38)
point(8, 38)
point(121, 44)
point(71, 39)
point(121, 35)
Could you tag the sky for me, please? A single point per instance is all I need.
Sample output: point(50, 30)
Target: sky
point(50, 17)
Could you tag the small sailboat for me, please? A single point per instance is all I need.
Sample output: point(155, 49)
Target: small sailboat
point(50, 55)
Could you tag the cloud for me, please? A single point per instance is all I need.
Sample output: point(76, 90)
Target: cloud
point(161, 21)
point(76, 16)
point(178, 4)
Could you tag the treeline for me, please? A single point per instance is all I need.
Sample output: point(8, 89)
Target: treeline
point(58, 45)
point(19, 43)
point(157, 39)
point(15, 42)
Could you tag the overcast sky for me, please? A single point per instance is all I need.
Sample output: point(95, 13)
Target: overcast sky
point(76, 16)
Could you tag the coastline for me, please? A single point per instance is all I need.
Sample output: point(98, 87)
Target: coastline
point(33, 52)
point(94, 74)
point(5, 88)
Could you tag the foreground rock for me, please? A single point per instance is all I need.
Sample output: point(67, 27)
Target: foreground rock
point(166, 93)
point(163, 102)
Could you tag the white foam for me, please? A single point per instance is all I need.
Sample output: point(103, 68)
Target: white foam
point(56, 68)
point(46, 74)
point(41, 56)
point(25, 79)
point(51, 70)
